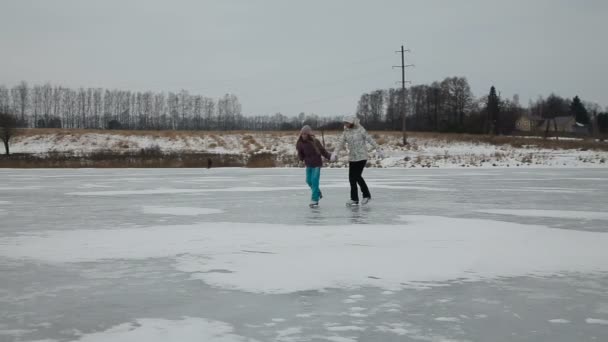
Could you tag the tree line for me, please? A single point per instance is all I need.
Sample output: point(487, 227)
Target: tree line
point(450, 106)
point(54, 106)
point(446, 106)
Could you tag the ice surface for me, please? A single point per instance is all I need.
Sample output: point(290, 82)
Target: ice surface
point(236, 255)
point(159, 330)
point(187, 211)
point(597, 321)
point(559, 321)
point(566, 214)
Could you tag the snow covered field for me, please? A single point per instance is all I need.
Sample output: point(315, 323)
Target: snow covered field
point(231, 255)
point(422, 151)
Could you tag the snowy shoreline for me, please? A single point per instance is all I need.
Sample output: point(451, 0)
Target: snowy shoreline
point(423, 151)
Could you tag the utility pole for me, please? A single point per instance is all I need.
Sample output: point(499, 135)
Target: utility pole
point(403, 82)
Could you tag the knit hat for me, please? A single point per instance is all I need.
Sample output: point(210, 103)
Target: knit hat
point(350, 119)
point(306, 130)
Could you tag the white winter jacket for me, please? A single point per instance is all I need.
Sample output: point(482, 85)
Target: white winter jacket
point(356, 139)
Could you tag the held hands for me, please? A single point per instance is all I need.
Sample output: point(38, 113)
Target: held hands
point(334, 157)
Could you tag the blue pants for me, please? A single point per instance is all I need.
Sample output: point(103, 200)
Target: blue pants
point(313, 174)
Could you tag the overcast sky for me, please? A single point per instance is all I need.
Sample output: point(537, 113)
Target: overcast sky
point(309, 55)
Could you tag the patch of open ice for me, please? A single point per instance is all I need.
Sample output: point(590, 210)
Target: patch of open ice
point(408, 187)
point(602, 308)
point(432, 250)
point(180, 211)
point(568, 214)
point(184, 191)
point(135, 192)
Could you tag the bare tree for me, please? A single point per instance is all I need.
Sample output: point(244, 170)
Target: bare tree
point(376, 106)
point(5, 98)
point(8, 125)
point(36, 103)
point(364, 109)
point(209, 109)
point(21, 96)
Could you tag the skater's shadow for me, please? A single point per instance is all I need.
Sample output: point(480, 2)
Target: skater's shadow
point(359, 214)
point(353, 215)
point(315, 217)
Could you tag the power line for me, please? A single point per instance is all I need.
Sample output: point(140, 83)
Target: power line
point(403, 66)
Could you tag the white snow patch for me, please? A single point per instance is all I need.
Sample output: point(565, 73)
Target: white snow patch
point(357, 314)
point(180, 211)
point(93, 186)
point(267, 258)
point(304, 315)
point(285, 334)
point(15, 332)
point(423, 151)
point(596, 321)
point(567, 214)
point(20, 188)
point(346, 328)
point(278, 320)
point(395, 328)
point(559, 321)
point(337, 338)
point(486, 301)
point(153, 330)
point(447, 319)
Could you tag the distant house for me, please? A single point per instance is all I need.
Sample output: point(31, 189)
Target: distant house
point(529, 123)
point(582, 129)
point(565, 124)
point(561, 124)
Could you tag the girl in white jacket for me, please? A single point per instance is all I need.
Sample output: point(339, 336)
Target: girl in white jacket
point(355, 137)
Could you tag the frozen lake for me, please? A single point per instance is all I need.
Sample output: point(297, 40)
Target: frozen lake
point(231, 255)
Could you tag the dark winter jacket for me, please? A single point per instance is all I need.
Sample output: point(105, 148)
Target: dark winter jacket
point(310, 151)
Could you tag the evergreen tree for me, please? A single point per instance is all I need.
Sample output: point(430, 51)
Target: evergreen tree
point(578, 110)
point(493, 110)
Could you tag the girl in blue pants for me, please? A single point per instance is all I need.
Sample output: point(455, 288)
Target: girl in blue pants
point(311, 151)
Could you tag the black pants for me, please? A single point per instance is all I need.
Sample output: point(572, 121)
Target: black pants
point(355, 169)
